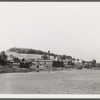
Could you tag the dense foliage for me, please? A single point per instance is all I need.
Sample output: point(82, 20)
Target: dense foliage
point(26, 51)
point(3, 58)
point(44, 57)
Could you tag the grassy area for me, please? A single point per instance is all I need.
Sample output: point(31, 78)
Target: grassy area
point(20, 55)
point(85, 81)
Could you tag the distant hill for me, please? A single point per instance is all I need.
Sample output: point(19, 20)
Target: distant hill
point(27, 56)
point(28, 51)
point(32, 53)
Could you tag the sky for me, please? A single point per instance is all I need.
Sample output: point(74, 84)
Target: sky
point(71, 28)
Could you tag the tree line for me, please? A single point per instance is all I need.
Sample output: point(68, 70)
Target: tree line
point(26, 51)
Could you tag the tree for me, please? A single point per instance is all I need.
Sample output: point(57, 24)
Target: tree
point(15, 59)
point(94, 62)
point(69, 57)
point(3, 58)
point(3, 55)
point(44, 57)
point(83, 62)
point(64, 57)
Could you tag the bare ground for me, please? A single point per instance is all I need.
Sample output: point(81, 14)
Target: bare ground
point(85, 81)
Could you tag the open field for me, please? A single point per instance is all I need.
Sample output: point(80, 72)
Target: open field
point(20, 55)
point(72, 81)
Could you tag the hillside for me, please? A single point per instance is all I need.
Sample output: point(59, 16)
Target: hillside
point(27, 56)
point(28, 51)
point(32, 53)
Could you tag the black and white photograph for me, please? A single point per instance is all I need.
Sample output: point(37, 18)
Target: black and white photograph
point(50, 48)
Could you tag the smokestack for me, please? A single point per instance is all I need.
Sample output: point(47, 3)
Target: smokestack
point(49, 55)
